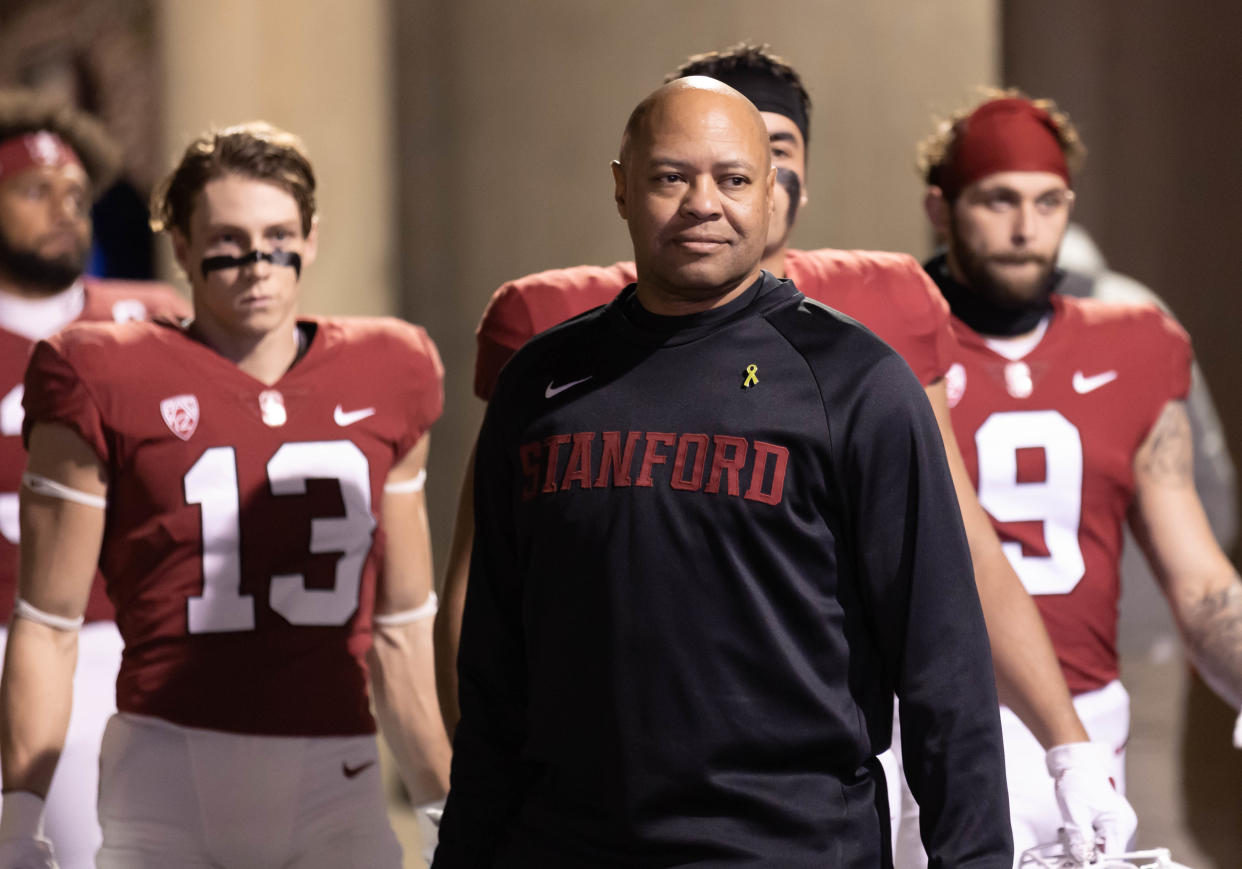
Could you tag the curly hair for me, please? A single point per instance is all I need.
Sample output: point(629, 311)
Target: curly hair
point(255, 150)
point(934, 151)
point(26, 111)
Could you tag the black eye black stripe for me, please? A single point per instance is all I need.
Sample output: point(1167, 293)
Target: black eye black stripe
point(276, 258)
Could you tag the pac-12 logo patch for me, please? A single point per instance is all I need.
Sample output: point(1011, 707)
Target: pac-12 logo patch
point(180, 415)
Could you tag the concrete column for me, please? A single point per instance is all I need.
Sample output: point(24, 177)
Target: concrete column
point(320, 69)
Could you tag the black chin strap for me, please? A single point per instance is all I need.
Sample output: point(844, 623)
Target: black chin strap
point(981, 314)
point(276, 258)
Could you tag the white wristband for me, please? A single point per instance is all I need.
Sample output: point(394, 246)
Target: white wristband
point(424, 610)
point(34, 614)
point(21, 816)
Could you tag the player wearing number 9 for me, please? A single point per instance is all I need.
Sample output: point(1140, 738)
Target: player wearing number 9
point(250, 484)
point(53, 162)
point(1070, 414)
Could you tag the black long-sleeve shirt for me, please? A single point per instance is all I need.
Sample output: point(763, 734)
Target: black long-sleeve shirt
point(707, 551)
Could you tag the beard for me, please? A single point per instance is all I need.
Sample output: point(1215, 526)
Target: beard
point(45, 275)
point(983, 274)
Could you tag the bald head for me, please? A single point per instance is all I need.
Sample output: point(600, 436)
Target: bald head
point(695, 184)
point(687, 98)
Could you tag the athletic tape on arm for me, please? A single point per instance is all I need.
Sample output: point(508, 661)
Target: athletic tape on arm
point(34, 614)
point(425, 610)
point(51, 488)
point(414, 484)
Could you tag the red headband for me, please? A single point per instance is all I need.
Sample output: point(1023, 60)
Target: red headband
point(1006, 135)
point(34, 149)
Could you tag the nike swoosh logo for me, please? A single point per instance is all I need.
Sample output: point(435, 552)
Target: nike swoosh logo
point(344, 418)
point(557, 390)
point(352, 771)
point(1084, 384)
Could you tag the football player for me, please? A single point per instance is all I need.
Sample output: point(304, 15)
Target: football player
point(886, 292)
point(53, 162)
point(1071, 417)
point(250, 484)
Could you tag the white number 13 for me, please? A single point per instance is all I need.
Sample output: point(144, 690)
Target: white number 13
point(1056, 500)
point(212, 484)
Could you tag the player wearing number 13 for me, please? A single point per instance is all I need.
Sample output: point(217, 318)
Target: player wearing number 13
point(243, 464)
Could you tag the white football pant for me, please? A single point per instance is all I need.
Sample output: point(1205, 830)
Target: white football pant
point(185, 797)
point(1032, 801)
point(70, 815)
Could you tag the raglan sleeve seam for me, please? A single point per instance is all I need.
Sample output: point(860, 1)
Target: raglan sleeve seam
point(31, 420)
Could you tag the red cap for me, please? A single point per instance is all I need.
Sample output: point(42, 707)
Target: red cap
point(1005, 135)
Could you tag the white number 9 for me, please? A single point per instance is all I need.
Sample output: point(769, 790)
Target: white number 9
point(1056, 500)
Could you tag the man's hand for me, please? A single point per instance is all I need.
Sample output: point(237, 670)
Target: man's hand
point(1089, 803)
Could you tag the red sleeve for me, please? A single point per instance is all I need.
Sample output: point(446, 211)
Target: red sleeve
point(925, 339)
point(890, 294)
point(1163, 365)
point(523, 308)
point(426, 378)
point(122, 301)
point(166, 303)
point(54, 393)
point(1181, 356)
point(506, 326)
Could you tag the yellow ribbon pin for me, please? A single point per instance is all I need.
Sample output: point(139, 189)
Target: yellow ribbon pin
point(752, 376)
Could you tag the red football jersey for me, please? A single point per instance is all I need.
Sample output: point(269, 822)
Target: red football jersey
point(113, 301)
point(889, 293)
point(1049, 440)
point(243, 539)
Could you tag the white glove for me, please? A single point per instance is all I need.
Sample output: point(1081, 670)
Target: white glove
point(428, 828)
point(28, 853)
point(1237, 732)
point(22, 845)
point(1089, 803)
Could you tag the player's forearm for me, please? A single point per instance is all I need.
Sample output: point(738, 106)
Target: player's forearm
point(1028, 676)
point(1212, 625)
point(403, 682)
point(447, 630)
point(453, 601)
point(1170, 525)
point(35, 699)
